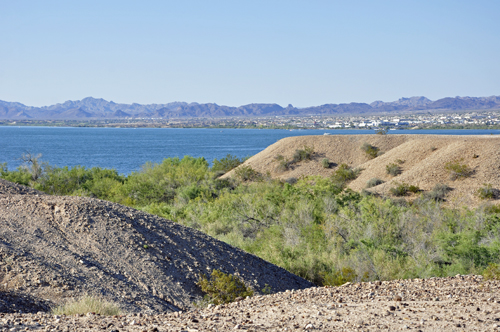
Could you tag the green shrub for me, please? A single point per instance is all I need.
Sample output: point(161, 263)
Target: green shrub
point(402, 189)
point(223, 288)
point(370, 150)
point(400, 161)
point(438, 193)
point(303, 154)
point(373, 182)
point(433, 148)
point(457, 169)
point(487, 192)
point(393, 169)
point(88, 304)
point(325, 163)
point(492, 272)
point(344, 174)
point(226, 164)
point(283, 163)
point(247, 173)
point(340, 277)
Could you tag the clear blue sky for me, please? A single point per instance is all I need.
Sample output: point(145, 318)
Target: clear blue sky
point(238, 52)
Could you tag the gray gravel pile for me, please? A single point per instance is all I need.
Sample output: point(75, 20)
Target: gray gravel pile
point(461, 303)
point(57, 248)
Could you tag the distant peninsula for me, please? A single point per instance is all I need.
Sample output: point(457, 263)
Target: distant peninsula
point(93, 108)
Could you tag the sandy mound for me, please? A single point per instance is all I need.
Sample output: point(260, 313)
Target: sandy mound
point(54, 247)
point(423, 156)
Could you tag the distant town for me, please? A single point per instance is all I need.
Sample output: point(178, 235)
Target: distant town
point(448, 120)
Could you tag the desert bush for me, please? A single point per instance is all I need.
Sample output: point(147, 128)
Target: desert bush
point(373, 182)
point(344, 174)
point(283, 163)
point(340, 277)
point(291, 180)
point(303, 154)
point(325, 162)
point(402, 189)
point(88, 304)
point(438, 193)
point(400, 161)
point(393, 169)
point(382, 131)
point(247, 173)
point(223, 288)
point(433, 148)
point(486, 192)
point(226, 164)
point(492, 272)
point(370, 150)
point(457, 169)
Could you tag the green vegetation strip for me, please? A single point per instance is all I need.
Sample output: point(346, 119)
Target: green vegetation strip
point(312, 226)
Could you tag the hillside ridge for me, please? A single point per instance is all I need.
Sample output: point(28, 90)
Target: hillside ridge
point(421, 158)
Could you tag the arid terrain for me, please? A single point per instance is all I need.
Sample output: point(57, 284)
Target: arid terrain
point(422, 160)
point(460, 303)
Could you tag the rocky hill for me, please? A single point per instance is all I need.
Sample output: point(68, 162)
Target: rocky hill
point(93, 108)
point(57, 248)
point(422, 161)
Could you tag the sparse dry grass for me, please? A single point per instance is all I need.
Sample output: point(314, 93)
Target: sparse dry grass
point(88, 304)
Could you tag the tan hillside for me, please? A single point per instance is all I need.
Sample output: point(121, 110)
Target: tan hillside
point(424, 158)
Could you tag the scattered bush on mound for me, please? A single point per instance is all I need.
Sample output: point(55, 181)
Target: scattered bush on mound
point(325, 162)
point(88, 304)
point(304, 154)
point(370, 150)
point(283, 163)
point(247, 173)
point(457, 169)
point(487, 192)
point(344, 174)
point(402, 189)
point(373, 182)
point(222, 288)
point(393, 169)
point(438, 193)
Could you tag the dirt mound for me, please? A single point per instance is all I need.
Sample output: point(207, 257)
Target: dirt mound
point(460, 303)
point(56, 248)
point(422, 160)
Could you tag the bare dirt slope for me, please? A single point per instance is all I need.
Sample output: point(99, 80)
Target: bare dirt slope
point(55, 248)
point(460, 303)
point(423, 156)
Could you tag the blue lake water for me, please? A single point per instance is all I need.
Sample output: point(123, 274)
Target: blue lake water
point(126, 149)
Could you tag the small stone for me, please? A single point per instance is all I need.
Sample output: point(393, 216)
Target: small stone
point(309, 327)
point(392, 308)
point(397, 298)
point(237, 327)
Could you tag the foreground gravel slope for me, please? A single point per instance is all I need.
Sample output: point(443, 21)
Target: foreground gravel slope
point(461, 303)
point(57, 248)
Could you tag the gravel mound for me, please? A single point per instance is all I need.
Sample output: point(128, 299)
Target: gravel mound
point(58, 248)
point(460, 303)
point(422, 159)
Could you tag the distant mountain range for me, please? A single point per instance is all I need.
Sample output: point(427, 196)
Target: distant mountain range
point(92, 108)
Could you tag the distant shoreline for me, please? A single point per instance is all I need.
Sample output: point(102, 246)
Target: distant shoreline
point(188, 125)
